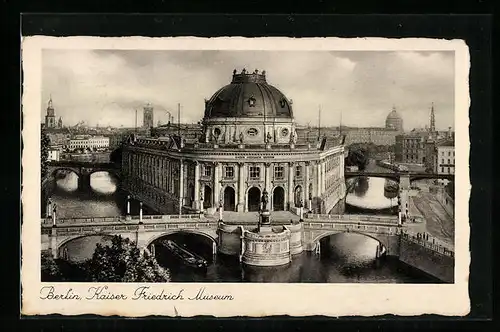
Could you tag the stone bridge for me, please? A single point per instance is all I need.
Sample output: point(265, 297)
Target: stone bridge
point(396, 176)
point(432, 257)
point(54, 237)
point(83, 170)
point(144, 232)
point(385, 230)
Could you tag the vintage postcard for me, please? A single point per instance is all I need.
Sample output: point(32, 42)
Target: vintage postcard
point(245, 176)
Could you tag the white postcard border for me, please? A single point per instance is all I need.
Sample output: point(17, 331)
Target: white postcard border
point(249, 299)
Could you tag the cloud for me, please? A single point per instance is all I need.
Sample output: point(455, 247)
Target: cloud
point(106, 87)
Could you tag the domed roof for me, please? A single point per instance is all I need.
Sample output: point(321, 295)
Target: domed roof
point(248, 95)
point(393, 115)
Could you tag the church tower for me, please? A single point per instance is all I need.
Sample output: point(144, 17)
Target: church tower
point(148, 116)
point(60, 123)
point(50, 118)
point(433, 120)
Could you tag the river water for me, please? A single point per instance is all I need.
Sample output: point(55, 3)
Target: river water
point(345, 258)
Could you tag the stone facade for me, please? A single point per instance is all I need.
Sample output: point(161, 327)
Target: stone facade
point(410, 149)
point(268, 247)
point(202, 179)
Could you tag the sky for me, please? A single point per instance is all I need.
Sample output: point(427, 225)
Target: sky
point(359, 88)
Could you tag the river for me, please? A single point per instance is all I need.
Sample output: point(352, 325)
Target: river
point(345, 258)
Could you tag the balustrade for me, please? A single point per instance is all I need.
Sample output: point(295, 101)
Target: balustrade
point(432, 244)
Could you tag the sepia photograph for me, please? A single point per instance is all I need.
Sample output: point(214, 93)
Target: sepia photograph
point(245, 166)
point(340, 171)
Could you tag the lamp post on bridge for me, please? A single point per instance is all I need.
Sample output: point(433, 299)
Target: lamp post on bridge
point(127, 215)
point(48, 210)
point(140, 213)
point(54, 209)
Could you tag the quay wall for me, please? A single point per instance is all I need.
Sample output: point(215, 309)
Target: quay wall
point(432, 262)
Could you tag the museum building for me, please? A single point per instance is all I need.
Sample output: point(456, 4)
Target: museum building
point(248, 145)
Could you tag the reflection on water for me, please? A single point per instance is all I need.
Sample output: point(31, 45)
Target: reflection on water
point(67, 181)
point(103, 183)
point(82, 248)
point(344, 257)
point(101, 201)
point(353, 249)
point(369, 193)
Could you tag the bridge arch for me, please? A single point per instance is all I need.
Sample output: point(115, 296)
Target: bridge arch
point(321, 236)
point(62, 243)
point(392, 176)
point(177, 231)
point(111, 172)
point(54, 170)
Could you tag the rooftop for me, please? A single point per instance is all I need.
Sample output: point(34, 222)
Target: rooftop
point(175, 142)
point(447, 142)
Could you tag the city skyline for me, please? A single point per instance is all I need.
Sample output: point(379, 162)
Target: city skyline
point(105, 87)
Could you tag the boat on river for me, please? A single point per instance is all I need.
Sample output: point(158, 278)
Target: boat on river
point(187, 257)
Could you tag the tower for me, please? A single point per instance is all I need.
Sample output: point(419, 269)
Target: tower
point(148, 116)
point(50, 118)
point(433, 120)
point(60, 123)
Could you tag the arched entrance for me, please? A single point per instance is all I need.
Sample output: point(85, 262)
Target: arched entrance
point(253, 199)
point(229, 199)
point(207, 197)
point(298, 196)
point(279, 199)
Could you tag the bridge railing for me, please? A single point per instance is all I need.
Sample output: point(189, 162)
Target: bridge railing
point(180, 226)
point(432, 243)
point(352, 217)
point(89, 220)
point(93, 229)
point(47, 222)
point(168, 217)
point(351, 227)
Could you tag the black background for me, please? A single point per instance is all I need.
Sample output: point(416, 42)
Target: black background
point(476, 30)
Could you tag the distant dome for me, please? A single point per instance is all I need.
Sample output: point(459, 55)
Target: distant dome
point(394, 120)
point(248, 95)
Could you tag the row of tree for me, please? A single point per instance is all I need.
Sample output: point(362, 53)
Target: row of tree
point(373, 148)
point(121, 261)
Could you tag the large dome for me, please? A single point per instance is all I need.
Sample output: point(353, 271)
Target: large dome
point(394, 120)
point(248, 95)
point(393, 115)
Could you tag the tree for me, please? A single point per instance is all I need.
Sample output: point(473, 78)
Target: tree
point(44, 155)
point(357, 157)
point(122, 262)
point(50, 269)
